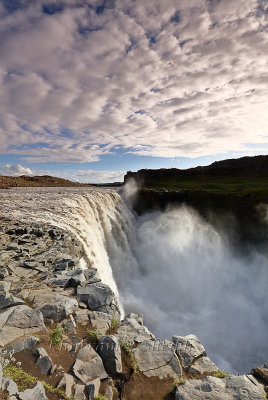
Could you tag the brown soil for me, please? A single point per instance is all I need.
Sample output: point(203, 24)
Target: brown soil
point(3, 396)
point(141, 387)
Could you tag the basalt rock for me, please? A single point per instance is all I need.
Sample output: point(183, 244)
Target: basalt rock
point(132, 327)
point(99, 297)
point(43, 361)
point(158, 358)
point(88, 365)
point(110, 352)
point(188, 349)
point(211, 388)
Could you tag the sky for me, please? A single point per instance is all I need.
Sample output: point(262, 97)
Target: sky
point(90, 89)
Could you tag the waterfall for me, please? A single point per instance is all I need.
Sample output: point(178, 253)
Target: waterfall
point(172, 266)
point(93, 216)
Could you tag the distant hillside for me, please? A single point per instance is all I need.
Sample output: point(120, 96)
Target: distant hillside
point(246, 166)
point(246, 177)
point(226, 193)
point(28, 181)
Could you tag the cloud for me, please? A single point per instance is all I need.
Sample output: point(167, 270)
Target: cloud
point(91, 176)
point(83, 176)
point(15, 170)
point(80, 78)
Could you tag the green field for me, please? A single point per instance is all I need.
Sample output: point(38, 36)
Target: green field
point(256, 189)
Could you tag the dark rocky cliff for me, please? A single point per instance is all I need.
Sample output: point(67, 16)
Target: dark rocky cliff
point(246, 166)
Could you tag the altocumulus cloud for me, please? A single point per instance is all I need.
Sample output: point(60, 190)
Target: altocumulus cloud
point(161, 78)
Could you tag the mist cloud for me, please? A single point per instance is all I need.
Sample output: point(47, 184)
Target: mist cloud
point(80, 79)
point(184, 277)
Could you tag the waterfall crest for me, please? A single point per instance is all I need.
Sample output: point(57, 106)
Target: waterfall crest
point(93, 216)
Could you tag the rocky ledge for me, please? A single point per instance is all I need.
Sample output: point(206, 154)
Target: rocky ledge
point(62, 337)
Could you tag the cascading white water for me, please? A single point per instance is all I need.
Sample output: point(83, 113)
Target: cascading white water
point(172, 266)
point(89, 214)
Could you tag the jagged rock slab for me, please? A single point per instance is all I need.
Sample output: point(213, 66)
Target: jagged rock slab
point(79, 392)
point(53, 305)
point(70, 325)
point(66, 278)
point(25, 317)
point(43, 361)
point(100, 320)
point(188, 349)
point(203, 365)
point(211, 388)
point(132, 326)
point(4, 286)
point(82, 316)
point(10, 302)
point(3, 296)
point(19, 321)
point(9, 386)
point(66, 384)
point(3, 272)
point(98, 297)
point(88, 365)
point(92, 389)
point(24, 344)
point(157, 358)
point(109, 394)
point(72, 344)
point(110, 352)
point(36, 393)
point(261, 374)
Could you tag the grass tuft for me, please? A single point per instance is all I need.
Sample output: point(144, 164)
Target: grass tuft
point(222, 374)
point(181, 382)
point(27, 381)
point(94, 335)
point(56, 335)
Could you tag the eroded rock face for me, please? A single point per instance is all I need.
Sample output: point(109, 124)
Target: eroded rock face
point(98, 297)
point(19, 321)
point(92, 389)
point(132, 326)
point(79, 392)
point(188, 349)
point(43, 361)
point(9, 386)
point(66, 384)
point(53, 305)
point(88, 365)
point(24, 344)
point(202, 365)
point(261, 374)
point(158, 358)
point(211, 388)
point(36, 393)
point(100, 320)
point(110, 352)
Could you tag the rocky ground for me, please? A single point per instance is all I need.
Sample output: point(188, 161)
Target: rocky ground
point(61, 336)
